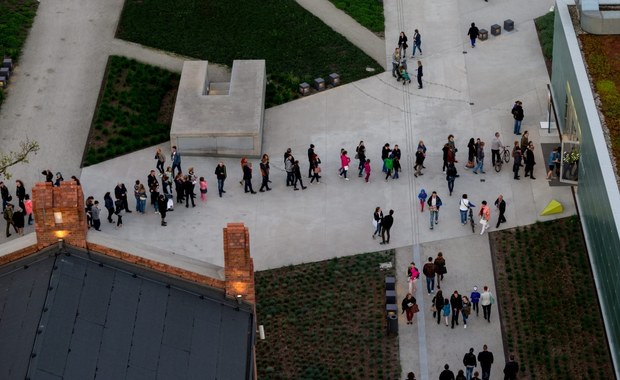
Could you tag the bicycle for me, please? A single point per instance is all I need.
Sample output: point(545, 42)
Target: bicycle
point(471, 220)
point(504, 155)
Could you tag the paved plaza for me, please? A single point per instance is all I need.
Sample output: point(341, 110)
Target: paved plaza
point(467, 92)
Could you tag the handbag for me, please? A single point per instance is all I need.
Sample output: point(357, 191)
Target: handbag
point(346, 167)
point(317, 170)
point(433, 308)
point(483, 221)
point(415, 308)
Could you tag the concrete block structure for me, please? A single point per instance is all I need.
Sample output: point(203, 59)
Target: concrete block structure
point(220, 118)
point(600, 16)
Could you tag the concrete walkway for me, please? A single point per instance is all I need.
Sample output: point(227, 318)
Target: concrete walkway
point(342, 23)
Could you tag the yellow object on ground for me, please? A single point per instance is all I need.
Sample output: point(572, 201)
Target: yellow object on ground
point(554, 207)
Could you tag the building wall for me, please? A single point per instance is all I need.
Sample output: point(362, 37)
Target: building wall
point(598, 197)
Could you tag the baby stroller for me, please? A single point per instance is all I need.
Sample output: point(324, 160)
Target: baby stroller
point(405, 75)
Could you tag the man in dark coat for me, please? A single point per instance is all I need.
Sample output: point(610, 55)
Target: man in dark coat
point(386, 224)
point(162, 203)
point(188, 189)
point(485, 358)
point(500, 203)
point(511, 369)
point(120, 193)
point(446, 374)
point(469, 361)
point(456, 303)
point(518, 115)
point(529, 161)
point(247, 178)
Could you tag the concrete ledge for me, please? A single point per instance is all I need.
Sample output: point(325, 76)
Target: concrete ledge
point(595, 21)
point(220, 119)
point(17, 248)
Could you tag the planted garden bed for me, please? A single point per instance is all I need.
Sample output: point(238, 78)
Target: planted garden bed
point(326, 320)
point(368, 13)
point(134, 111)
point(550, 314)
point(296, 46)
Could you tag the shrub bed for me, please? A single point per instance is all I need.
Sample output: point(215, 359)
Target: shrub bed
point(326, 320)
point(550, 315)
point(296, 45)
point(368, 13)
point(134, 110)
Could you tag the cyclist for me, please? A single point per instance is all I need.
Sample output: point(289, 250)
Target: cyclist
point(496, 144)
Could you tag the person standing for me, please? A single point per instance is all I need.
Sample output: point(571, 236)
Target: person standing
point(162, 204)
point(386, 224)
point(464, 207)
point(20, 193)
point(460, 375)
point(446, 374)
point(434, 203)
point(120, 193)
point(466, 310)
point(4, 193)
point(525, 142)
point(480, 159)
point(175, 158)
point(396, 166)
point(530, 161)
point(377, 219)
point(402, 44)
point(473, 34)
point(518, 115)
point(417, 42)
point(188, 187)
point(485, 358)
point(437, 303)
point(410, 376)
point(486, 300)
point(94, 213)
point(385, 153)
point(451, 174)
point(360, 154)
point(511, 369)
point(500, 204)
point(429, 271)
point(28, 208)
point(496, 144)
point(419, 74)
point(109, 205)
point(446, 310)
point(388, 163)
point(475, 299)
point(264, 171)
point(161, 159)
point(440, 268)
point(453, 149)
point(419, 163)
point(288, 168)
point(554, 159)
point(247, 178)
point(456, 303)
point(469, 361)
point(8, 216)
point(396, 63)
point(18, 221)
point(409, 306)
point(485, 216)
point(516, 154)
point(471, 153)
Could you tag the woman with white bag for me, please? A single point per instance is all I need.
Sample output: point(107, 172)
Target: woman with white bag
point(485, 216)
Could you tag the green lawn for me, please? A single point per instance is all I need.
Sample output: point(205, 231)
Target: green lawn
point(296, 45)
point(326, 320)
point(134, 110)
point(369, 13)
point(16, 18)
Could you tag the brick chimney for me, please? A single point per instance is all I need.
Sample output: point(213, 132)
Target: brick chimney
point(59, 214)
point(239, 266)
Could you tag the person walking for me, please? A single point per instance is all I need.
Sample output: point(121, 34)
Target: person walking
point(485, 358)
point(377, 219)
point(464, 206)
point(367, 169)
point(469, 361)
point(511, 369)
point(473, 33)
point(20, 193)
point(419, 162)
point(311, 155)
point(316, 170)
point(485, 216)
point(476, 376)
point(388, 163)
point(456, 303)
point(419, 74)
point(360, 154)
point(247, 178)
point(446, 310)
point(344, 164)
point(220, 174)
point(386, 224)
point(297, 172)
point(175, 158)
point(434, 203)
point(530, 161)
point(518, 115)
point(475, 299)
point(396, 167)
point(451, 174)
point(446, 374)
point(385, 153)
point(516, 154)
point(402, 44)
point(264, 172)
point(422, 198)
point(396, 63)
point(28, 208)
point(429, 272)
point(161, 160)
point(409, 306)
point(8, 217)
point(480, 159)
point(496, 144)
point(412, 277)
point(203, 189)
point(417, 42)
point(440, 268)
point(500, 204)
point(410, 376)
point(460, 375)
point(437, 305)
point(486, 300)
point(109, 205)
point(466, 310)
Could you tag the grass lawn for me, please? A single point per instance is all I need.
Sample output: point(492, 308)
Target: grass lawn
point(369, 13)
point(16, 18)
point(551, 320)
point(296, 45)
point(326, 320)
point(134, 109)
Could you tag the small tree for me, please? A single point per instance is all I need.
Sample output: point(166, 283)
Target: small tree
point(15, 157)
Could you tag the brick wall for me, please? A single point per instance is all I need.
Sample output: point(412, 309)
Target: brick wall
point(238, 265)
point(68, 200)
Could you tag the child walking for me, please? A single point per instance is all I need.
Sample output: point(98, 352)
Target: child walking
point(446, 309)
point(367, 169)
point(203, 189)
point(422, 197)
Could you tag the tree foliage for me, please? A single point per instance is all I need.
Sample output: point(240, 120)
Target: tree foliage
point(15, 157)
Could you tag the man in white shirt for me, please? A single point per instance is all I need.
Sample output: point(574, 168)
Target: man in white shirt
point(496, 144)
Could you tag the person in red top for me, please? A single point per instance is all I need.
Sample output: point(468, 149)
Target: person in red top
point(485, 216)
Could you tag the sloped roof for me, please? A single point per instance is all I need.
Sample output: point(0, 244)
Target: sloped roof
point(82, 316)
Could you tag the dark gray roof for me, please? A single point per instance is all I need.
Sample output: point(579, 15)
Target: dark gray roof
point(81, 317)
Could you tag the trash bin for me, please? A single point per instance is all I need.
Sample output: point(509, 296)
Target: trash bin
point(392, 321)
